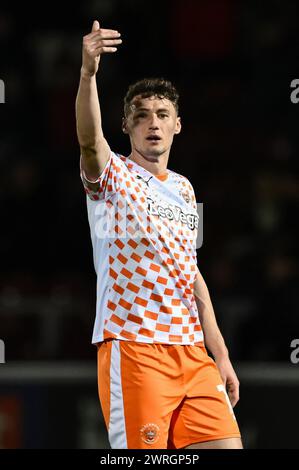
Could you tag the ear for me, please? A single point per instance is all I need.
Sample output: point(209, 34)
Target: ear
point(178, 126)
point(124, 125)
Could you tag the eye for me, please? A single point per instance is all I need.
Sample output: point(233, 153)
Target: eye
point(163, 115)
point(140, 115)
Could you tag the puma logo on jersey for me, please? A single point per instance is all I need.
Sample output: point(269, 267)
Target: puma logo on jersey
point(141, 178)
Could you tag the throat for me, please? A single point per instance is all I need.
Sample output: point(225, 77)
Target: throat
point(155, 163)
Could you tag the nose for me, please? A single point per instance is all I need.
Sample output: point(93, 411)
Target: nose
point(154, 122)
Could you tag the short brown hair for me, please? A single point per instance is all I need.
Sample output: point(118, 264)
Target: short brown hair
point(148, 87)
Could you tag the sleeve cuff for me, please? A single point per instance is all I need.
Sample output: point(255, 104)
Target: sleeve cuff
point(83, 174)
point(98, 179)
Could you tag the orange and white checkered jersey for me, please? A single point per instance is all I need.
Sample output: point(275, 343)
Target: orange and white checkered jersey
point(143, 231)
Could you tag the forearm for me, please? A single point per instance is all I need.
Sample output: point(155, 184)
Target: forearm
point(88, 113)
point(213, 338)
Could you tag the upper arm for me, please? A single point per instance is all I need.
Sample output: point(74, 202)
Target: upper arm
point(110, 181)
point(94, 160)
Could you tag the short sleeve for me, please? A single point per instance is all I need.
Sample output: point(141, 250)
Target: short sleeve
point(191, 194)
point(109, 180)
point(197, 209)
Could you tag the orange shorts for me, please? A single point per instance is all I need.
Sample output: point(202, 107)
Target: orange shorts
point(160, 396)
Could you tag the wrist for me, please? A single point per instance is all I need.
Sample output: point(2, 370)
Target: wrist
point(84, 73)
point(220, 354)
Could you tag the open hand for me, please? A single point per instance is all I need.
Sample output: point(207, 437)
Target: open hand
point(99, 41)
point(230, 380)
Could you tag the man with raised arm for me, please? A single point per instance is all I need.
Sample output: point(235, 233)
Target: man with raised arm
point(158, 386)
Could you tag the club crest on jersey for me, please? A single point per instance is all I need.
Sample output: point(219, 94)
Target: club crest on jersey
point(186, 196)
point(150, 433)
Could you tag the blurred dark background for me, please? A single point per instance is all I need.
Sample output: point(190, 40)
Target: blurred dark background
point(232, 62)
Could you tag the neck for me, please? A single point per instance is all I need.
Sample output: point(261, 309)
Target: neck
point(153, 164)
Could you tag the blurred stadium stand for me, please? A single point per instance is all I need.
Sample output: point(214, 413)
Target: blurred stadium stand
point(55, 406)
point(232, 62)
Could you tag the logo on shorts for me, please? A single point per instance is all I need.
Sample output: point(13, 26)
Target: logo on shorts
point(150, 433)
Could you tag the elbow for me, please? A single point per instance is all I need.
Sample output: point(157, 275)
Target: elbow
point(89, 142)
point(87, 147)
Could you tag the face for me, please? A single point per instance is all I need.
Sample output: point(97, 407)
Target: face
point(151, 125)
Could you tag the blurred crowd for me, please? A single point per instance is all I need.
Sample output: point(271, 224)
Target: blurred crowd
point(232, 62)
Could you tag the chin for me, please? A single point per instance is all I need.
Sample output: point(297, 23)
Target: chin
point(154, 152)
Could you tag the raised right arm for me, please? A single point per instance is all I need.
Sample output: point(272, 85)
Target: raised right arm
point(95, 150)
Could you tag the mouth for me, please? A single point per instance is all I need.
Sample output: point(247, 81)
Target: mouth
point(153, 139)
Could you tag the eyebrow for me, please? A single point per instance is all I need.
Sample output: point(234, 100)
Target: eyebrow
point(146, 109)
